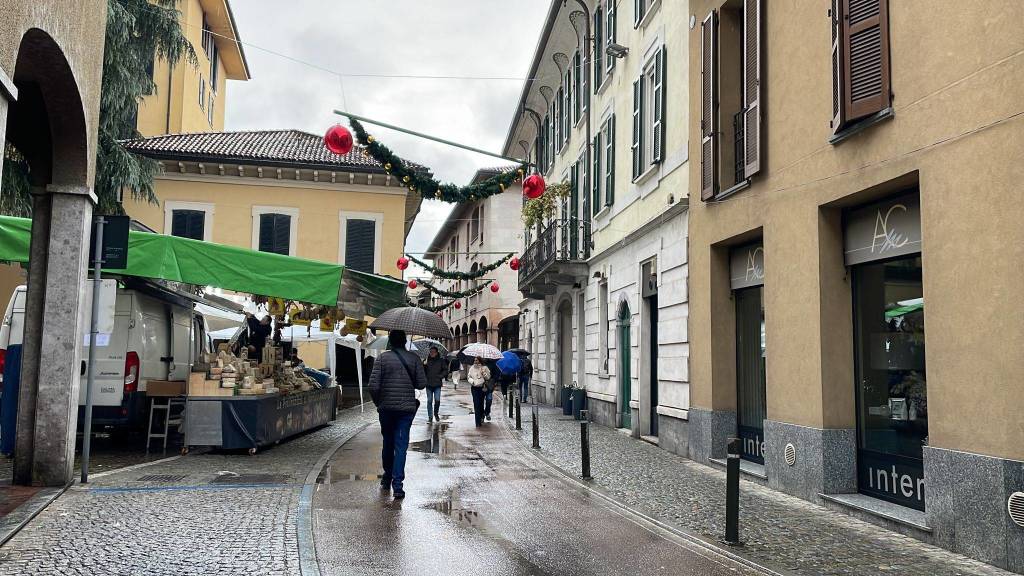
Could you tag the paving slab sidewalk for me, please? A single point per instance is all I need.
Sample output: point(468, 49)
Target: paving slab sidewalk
point(781, 531)
point(211, 513)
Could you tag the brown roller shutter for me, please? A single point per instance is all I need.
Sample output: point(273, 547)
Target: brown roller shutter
point(866, 58)
point(752, 87)
point(838, 83)
point(708, 107)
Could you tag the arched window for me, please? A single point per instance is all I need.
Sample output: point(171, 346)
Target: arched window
point(482, 336)
point(473, 331)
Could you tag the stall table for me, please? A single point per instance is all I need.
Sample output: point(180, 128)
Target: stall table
point(233, 422)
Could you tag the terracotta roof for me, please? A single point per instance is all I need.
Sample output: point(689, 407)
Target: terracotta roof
point(274, 147)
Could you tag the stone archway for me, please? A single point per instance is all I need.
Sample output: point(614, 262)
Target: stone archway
point(482, 335)
point(48, 124)
point(564, 358)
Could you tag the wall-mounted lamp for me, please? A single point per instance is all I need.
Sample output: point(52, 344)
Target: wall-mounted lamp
point(616, 50)
point(598, 275)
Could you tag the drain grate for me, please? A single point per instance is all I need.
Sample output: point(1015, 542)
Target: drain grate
point(163, 478)
point(251, 479)
point(1015, 506)
point(790, 454)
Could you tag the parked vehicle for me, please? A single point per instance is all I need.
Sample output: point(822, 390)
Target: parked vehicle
point(156, 335)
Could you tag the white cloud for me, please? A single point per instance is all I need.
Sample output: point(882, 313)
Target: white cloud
point(395, 37)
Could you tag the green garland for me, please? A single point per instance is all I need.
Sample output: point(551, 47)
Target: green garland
point(422, 181)
point(435, 308)
point(444, 274)
point(457, 294)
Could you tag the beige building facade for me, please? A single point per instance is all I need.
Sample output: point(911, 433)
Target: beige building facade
point(860, 175)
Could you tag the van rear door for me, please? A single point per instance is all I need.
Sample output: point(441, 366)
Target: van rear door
point(111, 352)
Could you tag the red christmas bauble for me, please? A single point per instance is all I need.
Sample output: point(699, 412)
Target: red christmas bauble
point(402, 263)
point(338, 140)
point(413, 284)
point(458, 304)
point(494, 287)
point(514, 263)
point(534, 186)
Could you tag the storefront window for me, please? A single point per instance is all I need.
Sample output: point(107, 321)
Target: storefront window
point(892, 422)
point(750, 375)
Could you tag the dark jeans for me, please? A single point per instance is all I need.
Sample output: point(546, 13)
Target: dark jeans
point(394, 427)
point(478, 404)
point(524, 387)
point(433, 402)
point(488, 400)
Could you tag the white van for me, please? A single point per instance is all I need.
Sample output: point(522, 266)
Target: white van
point(150, 341)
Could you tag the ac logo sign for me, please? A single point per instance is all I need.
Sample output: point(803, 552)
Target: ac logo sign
point(886, 236)
point(755, 265)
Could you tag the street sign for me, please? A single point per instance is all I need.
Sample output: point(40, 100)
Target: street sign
point(115, 242)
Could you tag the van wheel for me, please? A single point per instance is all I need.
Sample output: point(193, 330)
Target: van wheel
point(252, 451)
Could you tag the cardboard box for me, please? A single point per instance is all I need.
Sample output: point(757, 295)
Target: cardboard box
point(196, 383)
point(166, 388)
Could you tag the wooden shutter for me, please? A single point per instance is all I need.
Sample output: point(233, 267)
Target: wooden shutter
point(838, 82)
point(188, 224)
point(609, 158)
point(709, 107)
point(637, 128)
point(275, 233)
point(577, 78)
point(658, 113)
point(566, 108)
point(360, 244)
point(866, 57)
point(752, 87)
point(598, 49)
point(610, 33)
point(595, 174)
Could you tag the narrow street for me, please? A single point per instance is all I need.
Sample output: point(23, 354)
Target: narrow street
point(478, 503)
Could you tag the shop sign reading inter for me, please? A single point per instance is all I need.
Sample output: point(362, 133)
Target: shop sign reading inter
point(746, 266)
point(884, 230)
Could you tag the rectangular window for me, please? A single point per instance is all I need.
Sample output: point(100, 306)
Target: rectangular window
point(860, 60)
point(566, 106)
point(275, 233)
point(208, 42)
point(209, 109)
point(750, 372)
point(560, 122)
point(214, 72)
point(610, 34)
point(579, 88)
point(654, 106)
point(608, 136)
point(595, 171)
point(639, 9)
point(202, 93)
point(188, 224)
point(638, 128)
point(360, 244)
point(598, 47)
point(603, 324)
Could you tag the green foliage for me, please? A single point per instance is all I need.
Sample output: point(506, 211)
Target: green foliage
point(456, 293)
point(453, 275)
point(419, 180)
point(545, 207)
point(139, 32)
point(15, 194)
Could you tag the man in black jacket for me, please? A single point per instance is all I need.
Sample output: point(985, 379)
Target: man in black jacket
point(437, 370)
point(396, 377)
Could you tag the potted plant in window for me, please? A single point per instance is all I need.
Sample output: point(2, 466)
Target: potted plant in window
point(578, 399)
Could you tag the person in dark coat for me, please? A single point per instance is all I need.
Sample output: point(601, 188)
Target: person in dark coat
point(436, 369)
point(525, 375)
point(396, 377)
point(259, 331)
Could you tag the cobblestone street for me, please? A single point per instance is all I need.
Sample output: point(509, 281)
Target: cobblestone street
point(779, 531)
point(199, 514)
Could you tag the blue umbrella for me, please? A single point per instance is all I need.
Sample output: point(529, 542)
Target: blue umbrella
point(510, 363)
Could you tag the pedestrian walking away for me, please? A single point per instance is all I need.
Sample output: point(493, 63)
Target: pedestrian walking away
point(436, 369)
point(479, 375)
point(489, 387)
point(396, 377)
point(455, 369)
point(525, 375)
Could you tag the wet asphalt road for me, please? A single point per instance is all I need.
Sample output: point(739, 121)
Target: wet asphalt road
point(478, 504)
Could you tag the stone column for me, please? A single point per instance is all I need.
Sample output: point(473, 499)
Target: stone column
point(48, 402)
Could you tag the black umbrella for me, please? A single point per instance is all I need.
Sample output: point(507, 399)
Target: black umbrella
point(520, 351)
point(413, 321)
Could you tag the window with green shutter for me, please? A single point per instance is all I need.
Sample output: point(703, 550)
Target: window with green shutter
point(188, 224)
point(360, 244)
point(275, 233)
point(609, 160)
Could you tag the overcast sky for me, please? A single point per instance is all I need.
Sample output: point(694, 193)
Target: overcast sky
point(392, 37)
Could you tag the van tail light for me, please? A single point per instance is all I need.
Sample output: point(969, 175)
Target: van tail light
point(131, 373)
point(3, 360)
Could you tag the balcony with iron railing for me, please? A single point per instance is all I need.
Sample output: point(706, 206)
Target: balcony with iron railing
point(557, 257)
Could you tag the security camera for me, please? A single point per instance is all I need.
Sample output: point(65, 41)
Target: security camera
point(616, 50)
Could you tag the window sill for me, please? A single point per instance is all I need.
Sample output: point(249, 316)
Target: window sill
point(605, 81)
point(604, 376)
point(652, 169)
point(732, 190)
point(752, 469)
point(860, 126)
point(881, 509)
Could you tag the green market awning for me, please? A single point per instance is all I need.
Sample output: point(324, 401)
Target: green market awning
point(249, 271)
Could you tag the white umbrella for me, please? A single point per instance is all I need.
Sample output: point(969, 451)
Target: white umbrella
point(481, 350)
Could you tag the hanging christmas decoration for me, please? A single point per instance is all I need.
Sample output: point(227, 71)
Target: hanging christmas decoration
point(458, 305)
point(494, 287)
point(514, 263)
point(338, 140)
point(446, 275)
point(534, 186)
point(402, 263)
point(455, 293)
point(413, 284)
point(421, 179)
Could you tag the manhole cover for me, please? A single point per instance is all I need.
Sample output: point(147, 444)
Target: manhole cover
point(251, 479)
point(163, 478)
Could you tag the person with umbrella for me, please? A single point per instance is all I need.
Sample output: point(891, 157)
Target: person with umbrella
point(454, 369)
point(525, 375)
point(478, 376)
point(436, 369)
point(396, 377)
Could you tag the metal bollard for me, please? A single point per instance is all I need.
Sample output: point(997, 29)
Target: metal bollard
point(536, 428)
point(519, 414)
point(585, 443)
point(732, 494)
point(508, 400)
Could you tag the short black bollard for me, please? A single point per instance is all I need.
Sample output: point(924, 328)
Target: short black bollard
point(585, 443)
point(519, 414)
point(508, 400)
point(732, 494)
point(536, 428)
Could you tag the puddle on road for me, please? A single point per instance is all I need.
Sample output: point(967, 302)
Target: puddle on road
point(436, 443)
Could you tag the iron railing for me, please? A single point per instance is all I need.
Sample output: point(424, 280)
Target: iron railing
point(564, 240)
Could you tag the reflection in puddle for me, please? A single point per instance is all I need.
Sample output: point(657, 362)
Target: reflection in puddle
point(329, 476)
point(451, 506)
point(435, 444)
